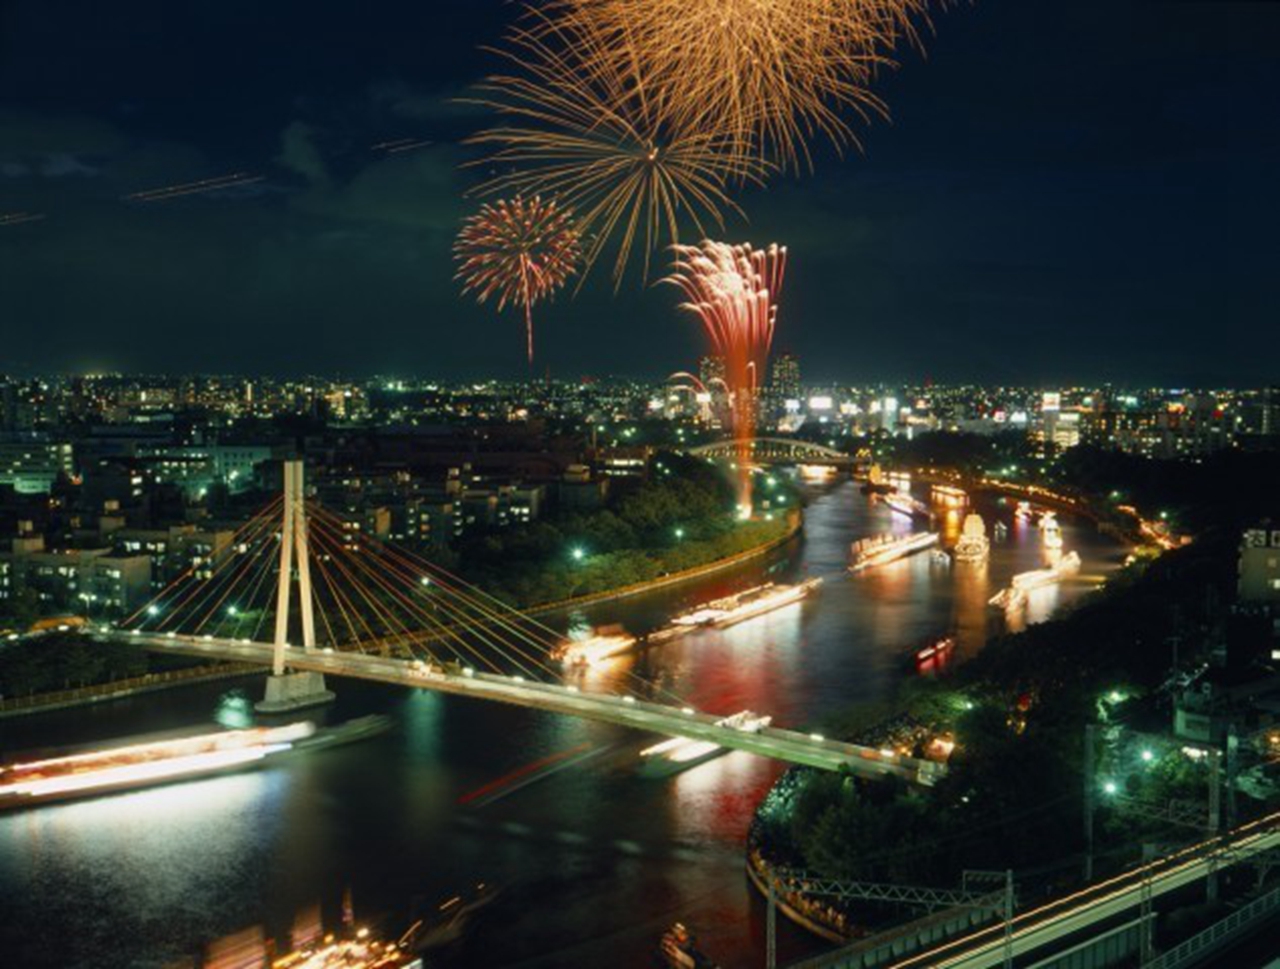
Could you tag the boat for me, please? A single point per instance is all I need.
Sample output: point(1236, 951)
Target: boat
point(1024, 582)
point(906, 505)
point(722, 613)
point(1022, 511)
point(934, 653)
point(949, 496)
point(876, 483)
point(882, 549)
point(679, 950)
point(1050, 531)
point(449, 922)
point(145, 764)
point(677, 754)
point(816, 472)
point(602, 644)
point(973, 544)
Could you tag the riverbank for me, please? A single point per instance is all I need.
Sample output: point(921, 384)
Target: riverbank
point(795, 522)
point(120, 689)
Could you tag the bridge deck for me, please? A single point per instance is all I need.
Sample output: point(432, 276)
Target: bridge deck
point(786, 745)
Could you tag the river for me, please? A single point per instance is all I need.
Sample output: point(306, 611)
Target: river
point(594, 860)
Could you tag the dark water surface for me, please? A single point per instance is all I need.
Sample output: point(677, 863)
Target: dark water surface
point(595, 860)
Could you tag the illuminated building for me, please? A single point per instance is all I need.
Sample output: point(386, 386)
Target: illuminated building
point(32, 465)
point(784, 377)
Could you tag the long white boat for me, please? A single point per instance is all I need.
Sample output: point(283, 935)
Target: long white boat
point(680, 753)
point(143, 764)
point(905, 504)
point(603, 644)
point(867, 553)
point(722, 613)
point(1024, 582)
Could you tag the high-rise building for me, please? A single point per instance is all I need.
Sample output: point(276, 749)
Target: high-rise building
point(784, 378)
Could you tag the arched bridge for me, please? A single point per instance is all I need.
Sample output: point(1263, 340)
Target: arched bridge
point(776, 450)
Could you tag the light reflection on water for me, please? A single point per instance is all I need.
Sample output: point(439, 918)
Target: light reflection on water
point(598, 859)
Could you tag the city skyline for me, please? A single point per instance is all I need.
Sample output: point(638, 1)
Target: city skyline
point(1016, 217)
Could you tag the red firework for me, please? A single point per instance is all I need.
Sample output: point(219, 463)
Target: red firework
point(734, 290)
point(518, 251)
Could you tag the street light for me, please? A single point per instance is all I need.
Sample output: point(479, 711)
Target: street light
point(1148, 756)
point(1110, 787)
point(578, 554)
point(679, 533)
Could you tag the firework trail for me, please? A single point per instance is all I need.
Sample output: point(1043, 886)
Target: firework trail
point(518, 251)
point(733, 290)
point(579, 125)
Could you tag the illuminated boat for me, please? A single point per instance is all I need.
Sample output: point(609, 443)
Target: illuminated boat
point(817, 472)
point(722, 613)
point(906, 505)
point(949, 496)
point(1025, 582)
point(603, 644)
point(973, 544)
point(1050, 531)
point(876, 484)
point(1000, 531)
point(681, 753)
point(934, 653)
point(1022, 512)
point(144, 764)
point(867, 553)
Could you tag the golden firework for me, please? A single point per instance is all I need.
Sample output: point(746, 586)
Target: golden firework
point(581, 125)
point(767, 75)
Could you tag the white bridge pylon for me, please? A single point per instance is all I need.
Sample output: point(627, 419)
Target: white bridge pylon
point(294, 543)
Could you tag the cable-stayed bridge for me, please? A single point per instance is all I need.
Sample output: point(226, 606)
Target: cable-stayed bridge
point(370, 610)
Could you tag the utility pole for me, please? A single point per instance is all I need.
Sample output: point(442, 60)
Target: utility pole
point(1008, 919)
point(771, 925)
point(1090, 732)
point(1215, 820)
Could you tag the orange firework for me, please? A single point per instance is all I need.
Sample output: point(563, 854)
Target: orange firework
point(767, 74)
point(518, 251)
point(580, 125)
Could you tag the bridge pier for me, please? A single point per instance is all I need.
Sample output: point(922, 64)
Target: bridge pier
point(288, 691)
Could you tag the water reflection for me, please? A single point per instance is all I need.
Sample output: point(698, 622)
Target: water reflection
point(134, 879)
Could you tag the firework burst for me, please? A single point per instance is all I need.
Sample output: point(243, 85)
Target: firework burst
point(518, 251)
point(733, 290)
point(766, 74)
point(581, 126)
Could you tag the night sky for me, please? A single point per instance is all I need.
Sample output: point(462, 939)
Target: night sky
point(1069, 191)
